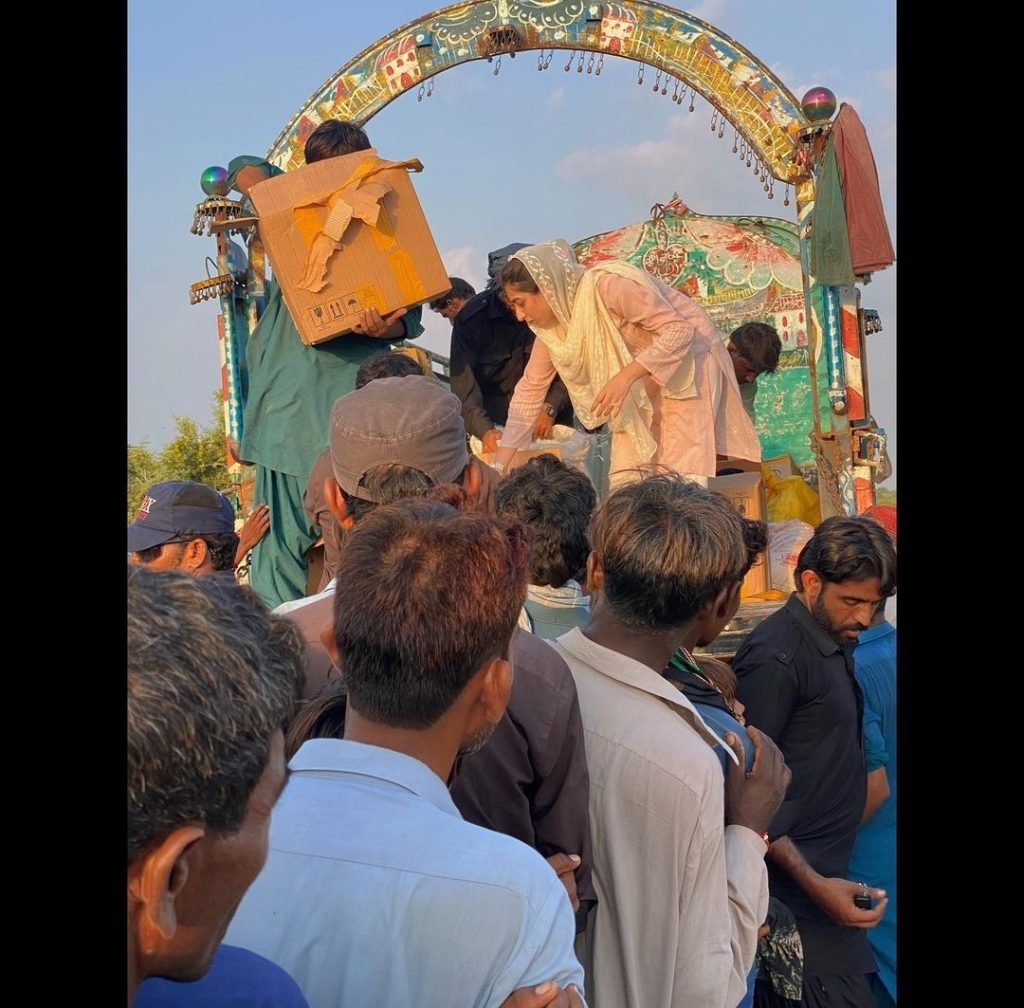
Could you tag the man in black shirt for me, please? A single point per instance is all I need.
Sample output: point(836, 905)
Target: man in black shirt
point(489, 351)
point(796, 679)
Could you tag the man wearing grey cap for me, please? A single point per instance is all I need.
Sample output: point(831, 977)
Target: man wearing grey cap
point(489, 351)
point(400, 437)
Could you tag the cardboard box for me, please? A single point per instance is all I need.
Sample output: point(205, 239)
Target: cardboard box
point(394, 264)
point(746, 491)
point(781, 466)
point(744, 465)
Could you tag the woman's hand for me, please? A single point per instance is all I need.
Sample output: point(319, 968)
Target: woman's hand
point(610, 399)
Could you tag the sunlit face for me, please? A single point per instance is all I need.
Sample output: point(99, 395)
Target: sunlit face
point(533, 309)
point(451, 308)
point(745, 371)
point(843, 609)
point(169, 557)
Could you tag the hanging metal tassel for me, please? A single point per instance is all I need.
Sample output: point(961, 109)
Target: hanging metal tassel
point(430, 87)
point(497, 66)
point(785, 202)
point(568, 66)
point(579, 65)
point(600, 64)
point(590, 64)
point(540, 60)
point(640, 74)
point(714, 121)
point(771, 189)
point(735, 141)
point(657, 81)
point(419, 94)
point(693, 94)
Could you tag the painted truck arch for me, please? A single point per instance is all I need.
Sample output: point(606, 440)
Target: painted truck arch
point(744, 90)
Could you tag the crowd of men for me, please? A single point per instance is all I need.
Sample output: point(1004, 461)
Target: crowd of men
point(481, 765)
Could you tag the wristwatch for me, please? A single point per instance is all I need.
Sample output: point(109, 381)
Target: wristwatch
point(552, 411)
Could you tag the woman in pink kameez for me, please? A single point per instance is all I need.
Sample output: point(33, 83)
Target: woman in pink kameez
point(633, 353)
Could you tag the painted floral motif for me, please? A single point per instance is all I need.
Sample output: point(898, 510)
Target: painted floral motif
point(744, 257)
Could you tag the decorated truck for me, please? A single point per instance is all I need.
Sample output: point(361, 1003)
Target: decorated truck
point(814, 409)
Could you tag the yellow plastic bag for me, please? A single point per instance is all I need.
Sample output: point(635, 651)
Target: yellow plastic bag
point(791, 498)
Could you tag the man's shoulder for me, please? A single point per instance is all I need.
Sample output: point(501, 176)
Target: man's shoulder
point(776, 638)
point(638, 732)
point(539, 663)
point(475, 307)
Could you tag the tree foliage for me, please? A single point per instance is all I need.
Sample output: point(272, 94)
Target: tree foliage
point(195, 453)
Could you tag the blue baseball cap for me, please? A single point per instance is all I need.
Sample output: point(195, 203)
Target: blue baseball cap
point(170, 509)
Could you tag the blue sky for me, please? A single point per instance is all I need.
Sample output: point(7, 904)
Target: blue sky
point(524, 156)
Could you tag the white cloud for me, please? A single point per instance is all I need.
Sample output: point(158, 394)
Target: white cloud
point(556, 99)
point(687, 159)
point(468, 263)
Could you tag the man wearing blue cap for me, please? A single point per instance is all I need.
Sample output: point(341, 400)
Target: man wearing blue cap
point(184, 525)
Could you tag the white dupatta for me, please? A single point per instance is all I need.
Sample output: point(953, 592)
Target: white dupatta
point(586, 346)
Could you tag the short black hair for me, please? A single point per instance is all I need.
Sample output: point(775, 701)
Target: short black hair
point(334, 138)
point(459, 289)
point(389, 481)
point(222, 547)
point(386, 364)
point(758, 344)
point(845, 548)
point(555, 502)
point(666, 545)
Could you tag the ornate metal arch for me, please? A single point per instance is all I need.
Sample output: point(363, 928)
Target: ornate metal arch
point(744, 90)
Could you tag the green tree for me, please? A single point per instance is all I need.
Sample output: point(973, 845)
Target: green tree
point(142, 472)
point(195, 453)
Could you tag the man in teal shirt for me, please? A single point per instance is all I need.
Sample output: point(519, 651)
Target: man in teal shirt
point(292, 388)
point(874, 852)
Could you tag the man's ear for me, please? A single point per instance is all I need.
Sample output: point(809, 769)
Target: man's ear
point(336, 503)
point(595, 573)
point(810, 584)
point(471, 483)
point(156, 880)
point(195, 555)
point(495, 688)
point(329, 643)
point(726, 598)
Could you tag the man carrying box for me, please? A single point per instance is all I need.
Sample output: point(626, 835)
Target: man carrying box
point(292, 388)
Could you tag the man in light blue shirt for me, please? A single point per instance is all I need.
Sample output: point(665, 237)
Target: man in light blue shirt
point(376, 891)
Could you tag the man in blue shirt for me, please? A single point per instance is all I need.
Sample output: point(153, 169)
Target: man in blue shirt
point(873, 860)
point(376, 891)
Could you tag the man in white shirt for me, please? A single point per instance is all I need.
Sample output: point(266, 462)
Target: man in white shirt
point(376, 891)
point(678, 858)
